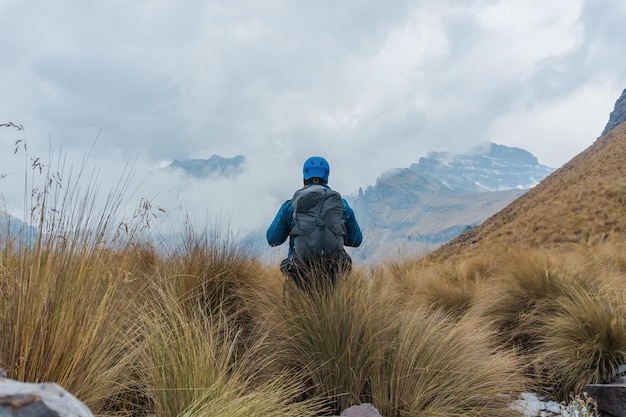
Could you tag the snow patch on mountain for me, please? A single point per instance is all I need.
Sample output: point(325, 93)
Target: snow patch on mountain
point(414, 210)
point(490, 167)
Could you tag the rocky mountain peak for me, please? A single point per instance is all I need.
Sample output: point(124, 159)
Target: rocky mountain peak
point(580, 204)
point(490, 167)
point(618, 115)
point(434, 200)
point(214, 166)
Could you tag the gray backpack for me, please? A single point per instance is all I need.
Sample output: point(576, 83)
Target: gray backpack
point(318, 230)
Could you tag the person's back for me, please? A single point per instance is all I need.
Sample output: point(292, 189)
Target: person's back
point(318, 223)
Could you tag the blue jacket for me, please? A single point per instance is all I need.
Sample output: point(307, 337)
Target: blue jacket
point(279, 230)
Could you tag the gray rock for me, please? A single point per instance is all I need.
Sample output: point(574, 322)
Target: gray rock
point(21, 399)
point(610, 398)
point(362, 410)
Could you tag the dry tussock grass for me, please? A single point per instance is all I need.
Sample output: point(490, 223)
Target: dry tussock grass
point(447, 286)
point(562, 312)
point(66, 305)
point(524, 293)
point(332, 335)
point(358, 344)
point(191, 363)
point(583, 342)
point(60, 310)
point(194, 330)
point(435, 365)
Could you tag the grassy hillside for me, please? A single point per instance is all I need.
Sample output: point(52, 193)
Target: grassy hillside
point(581, 204)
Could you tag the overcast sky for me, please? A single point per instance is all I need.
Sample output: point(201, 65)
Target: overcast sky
point(370, 85)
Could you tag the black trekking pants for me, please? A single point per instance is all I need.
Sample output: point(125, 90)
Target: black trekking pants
point(320, 273)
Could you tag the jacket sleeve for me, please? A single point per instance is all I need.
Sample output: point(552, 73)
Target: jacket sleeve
point(353, 236)
point(279, 230)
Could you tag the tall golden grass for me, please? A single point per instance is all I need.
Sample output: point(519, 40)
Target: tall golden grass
point(131, 331)
point(207, 329)
point(524, 292)
point(332, 334)
point(439, 285)
point(583, 342)
point(188, 362)
point(66, 308)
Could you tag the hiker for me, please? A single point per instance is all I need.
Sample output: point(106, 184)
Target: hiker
point(318, 222)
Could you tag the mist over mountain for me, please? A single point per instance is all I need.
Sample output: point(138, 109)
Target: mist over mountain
point(447, 203)
point(11, 226)
point(583, 203)
point(215, 166)
point(491, 168)
point(411, 211)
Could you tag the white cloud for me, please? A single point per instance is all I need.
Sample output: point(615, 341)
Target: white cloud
point(551, 128)
point(371, 86)
point(532, 29)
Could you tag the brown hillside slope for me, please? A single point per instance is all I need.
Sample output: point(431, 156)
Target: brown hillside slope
point(582, 203)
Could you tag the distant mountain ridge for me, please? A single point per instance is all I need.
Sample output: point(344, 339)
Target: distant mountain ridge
point(11, 226)
point(582, 204)
point(491, 168)
point(618, 115)
point(414, 210)
point(215, 166)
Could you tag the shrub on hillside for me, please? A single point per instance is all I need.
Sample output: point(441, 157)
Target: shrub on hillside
point(583, 342)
